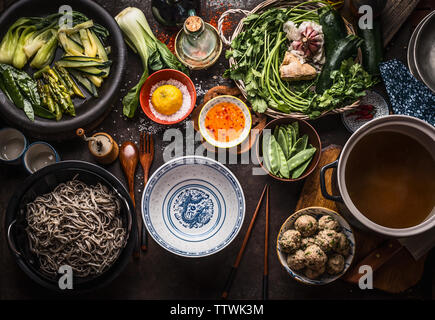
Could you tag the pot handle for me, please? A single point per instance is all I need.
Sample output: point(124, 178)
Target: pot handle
point(323, 184)
point(10, 241)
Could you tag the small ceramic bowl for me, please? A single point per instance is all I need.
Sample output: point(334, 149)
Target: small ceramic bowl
point(316, 212)
point(12, 146)
point(39, 155)
point(166, 75)
point(353, 122)
point(209, 137)
point(304, 128)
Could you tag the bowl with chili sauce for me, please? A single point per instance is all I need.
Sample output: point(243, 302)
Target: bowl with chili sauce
point(225, 121)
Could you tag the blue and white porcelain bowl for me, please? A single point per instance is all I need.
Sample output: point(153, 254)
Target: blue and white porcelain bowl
point(316, 212)
point(193, 206)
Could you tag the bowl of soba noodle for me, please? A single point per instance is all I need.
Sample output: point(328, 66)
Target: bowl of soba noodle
point(71, 219)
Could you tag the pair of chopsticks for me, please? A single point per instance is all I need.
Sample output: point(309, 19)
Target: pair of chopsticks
point(235, 267)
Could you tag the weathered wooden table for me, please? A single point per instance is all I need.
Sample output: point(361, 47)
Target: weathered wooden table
point(161, 275)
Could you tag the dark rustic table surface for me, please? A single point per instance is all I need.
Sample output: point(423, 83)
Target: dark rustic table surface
point(161, 275)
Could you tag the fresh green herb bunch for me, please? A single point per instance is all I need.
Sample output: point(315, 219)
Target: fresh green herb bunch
point(258, 52)
point(349, 84)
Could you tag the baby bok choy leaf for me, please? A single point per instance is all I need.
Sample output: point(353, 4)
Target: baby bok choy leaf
point(10, 40)
point(154, 54)
point(45, 54)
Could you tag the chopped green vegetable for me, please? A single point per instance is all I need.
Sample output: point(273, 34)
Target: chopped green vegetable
point(45, 54)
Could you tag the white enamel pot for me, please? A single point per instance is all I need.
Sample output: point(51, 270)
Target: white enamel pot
point(413, 127)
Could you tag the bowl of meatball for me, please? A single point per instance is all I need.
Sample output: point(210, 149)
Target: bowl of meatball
point(315, 245)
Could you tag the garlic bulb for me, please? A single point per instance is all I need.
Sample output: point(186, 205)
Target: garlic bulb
point(307, 41)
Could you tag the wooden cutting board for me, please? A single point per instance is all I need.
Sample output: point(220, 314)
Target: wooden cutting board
point(401, 272)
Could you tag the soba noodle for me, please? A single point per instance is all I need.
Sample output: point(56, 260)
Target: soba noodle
point(76, 225)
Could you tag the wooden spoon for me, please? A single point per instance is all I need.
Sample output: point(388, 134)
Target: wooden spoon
point(129, 158)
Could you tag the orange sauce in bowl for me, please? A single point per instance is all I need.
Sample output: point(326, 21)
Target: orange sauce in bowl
point(225, 122)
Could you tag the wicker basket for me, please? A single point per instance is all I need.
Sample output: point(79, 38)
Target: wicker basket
point(258, 9)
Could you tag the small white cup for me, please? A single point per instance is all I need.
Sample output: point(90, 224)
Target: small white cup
point(13, 144)
point(39, 155)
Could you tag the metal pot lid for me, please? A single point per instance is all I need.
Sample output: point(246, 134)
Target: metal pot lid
point(424, 51)
point(410, 56)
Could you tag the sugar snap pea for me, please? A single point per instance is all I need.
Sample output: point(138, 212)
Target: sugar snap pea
point(283, 141)
point(295, 125)
point(300, 145)
point(292, 136)
point(265, 148)
point(297, 172)
point(275, 161)
point(283, 169)
point(300, 158)
point(275, 132)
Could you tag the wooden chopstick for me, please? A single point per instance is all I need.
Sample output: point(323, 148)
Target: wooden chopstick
point(266, 251)
point(242, 249)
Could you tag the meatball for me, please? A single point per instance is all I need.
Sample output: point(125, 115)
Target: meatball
point(326, 240)
point(314, 274)
point(342, 245)
point(327, 222)
point(306, 242)
point(296, 261)
point(290, 241)
point(335, 264)
point(315, 258)
point(306, 225)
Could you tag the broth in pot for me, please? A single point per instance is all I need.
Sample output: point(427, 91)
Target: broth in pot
point(390, 178)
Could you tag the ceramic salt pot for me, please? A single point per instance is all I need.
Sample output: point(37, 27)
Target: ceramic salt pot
point(101, 145)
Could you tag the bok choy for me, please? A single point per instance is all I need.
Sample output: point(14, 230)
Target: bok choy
point(154, 54)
